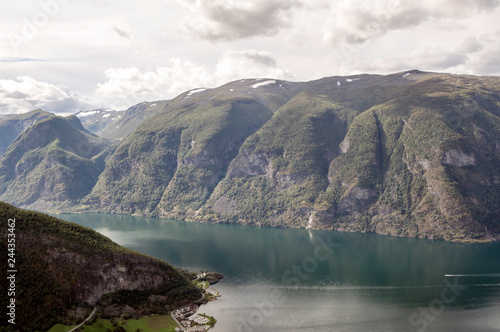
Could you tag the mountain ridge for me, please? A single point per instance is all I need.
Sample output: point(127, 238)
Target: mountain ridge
point(53, 162)
point(390, 154)
point(13, 125)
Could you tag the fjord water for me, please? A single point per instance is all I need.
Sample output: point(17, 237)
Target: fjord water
point(302, 280)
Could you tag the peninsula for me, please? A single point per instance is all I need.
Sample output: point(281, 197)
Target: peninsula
point(66, 273)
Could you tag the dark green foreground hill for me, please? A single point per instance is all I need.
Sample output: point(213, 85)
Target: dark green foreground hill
point(413, 154)
point(61, 265)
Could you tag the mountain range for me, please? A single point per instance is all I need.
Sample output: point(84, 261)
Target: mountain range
point(413, 154)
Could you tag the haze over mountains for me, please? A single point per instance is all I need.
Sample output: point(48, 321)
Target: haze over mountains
point(410, 154)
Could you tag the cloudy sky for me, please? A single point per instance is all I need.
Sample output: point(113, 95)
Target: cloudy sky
point(67, 55)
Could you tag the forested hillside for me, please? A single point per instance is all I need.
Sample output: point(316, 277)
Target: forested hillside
point(410, 154)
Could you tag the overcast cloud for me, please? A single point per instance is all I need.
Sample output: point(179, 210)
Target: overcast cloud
point(233, 19)
point(63, 56)
point(356, 22)
point(25, 93)
point(126, 86)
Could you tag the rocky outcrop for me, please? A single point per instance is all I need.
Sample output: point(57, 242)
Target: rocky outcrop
point(250, 163)
point(102, 275)
point(458, 158)
point(355, 200)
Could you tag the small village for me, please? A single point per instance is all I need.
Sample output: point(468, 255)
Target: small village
point(187, 317)
point(190, 320)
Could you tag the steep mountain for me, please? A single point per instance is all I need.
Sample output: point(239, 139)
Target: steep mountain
point(12, 126)
point(390, 154)
point(118, 124)
point(62, 265)
point(410, 154)
point(54, 162)
point(126, 122)
point(96, 120)
point(174, 160)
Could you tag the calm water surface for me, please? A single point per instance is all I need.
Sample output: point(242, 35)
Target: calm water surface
point(300, 280)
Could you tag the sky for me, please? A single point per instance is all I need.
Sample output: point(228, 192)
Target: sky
point(64, 56)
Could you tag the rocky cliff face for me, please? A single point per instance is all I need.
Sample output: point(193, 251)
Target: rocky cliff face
point(100, 275)
point(123, 123)
point(170, 170)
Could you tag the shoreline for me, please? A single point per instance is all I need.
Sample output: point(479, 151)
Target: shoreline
point(191, 310)
point(205, 323)
point(489, 237)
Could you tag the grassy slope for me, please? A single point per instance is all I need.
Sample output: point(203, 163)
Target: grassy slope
point(131, 119)
point(14, 125)
point(164, 323)
point(55, 160)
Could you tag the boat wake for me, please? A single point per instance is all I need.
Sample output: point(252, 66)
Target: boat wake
point(487, 275)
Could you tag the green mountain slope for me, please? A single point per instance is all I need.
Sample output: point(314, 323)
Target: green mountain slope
point(97, 120)
point(423, 162)
point(408, 154)
point(174, 160)
point(124, 123)
point(12, 126)
point(62, 265)
point(54, 162)
point(281, 169)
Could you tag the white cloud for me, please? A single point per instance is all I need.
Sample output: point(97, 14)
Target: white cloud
point(126, 86)
point(470, 45)
point(77, 47)
point(433, 59)
point(437, 59)
point(234, 19)
point(25, 94)
point(487, 63)
point(354, 22)
point(249, 64)
point(122, 31)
